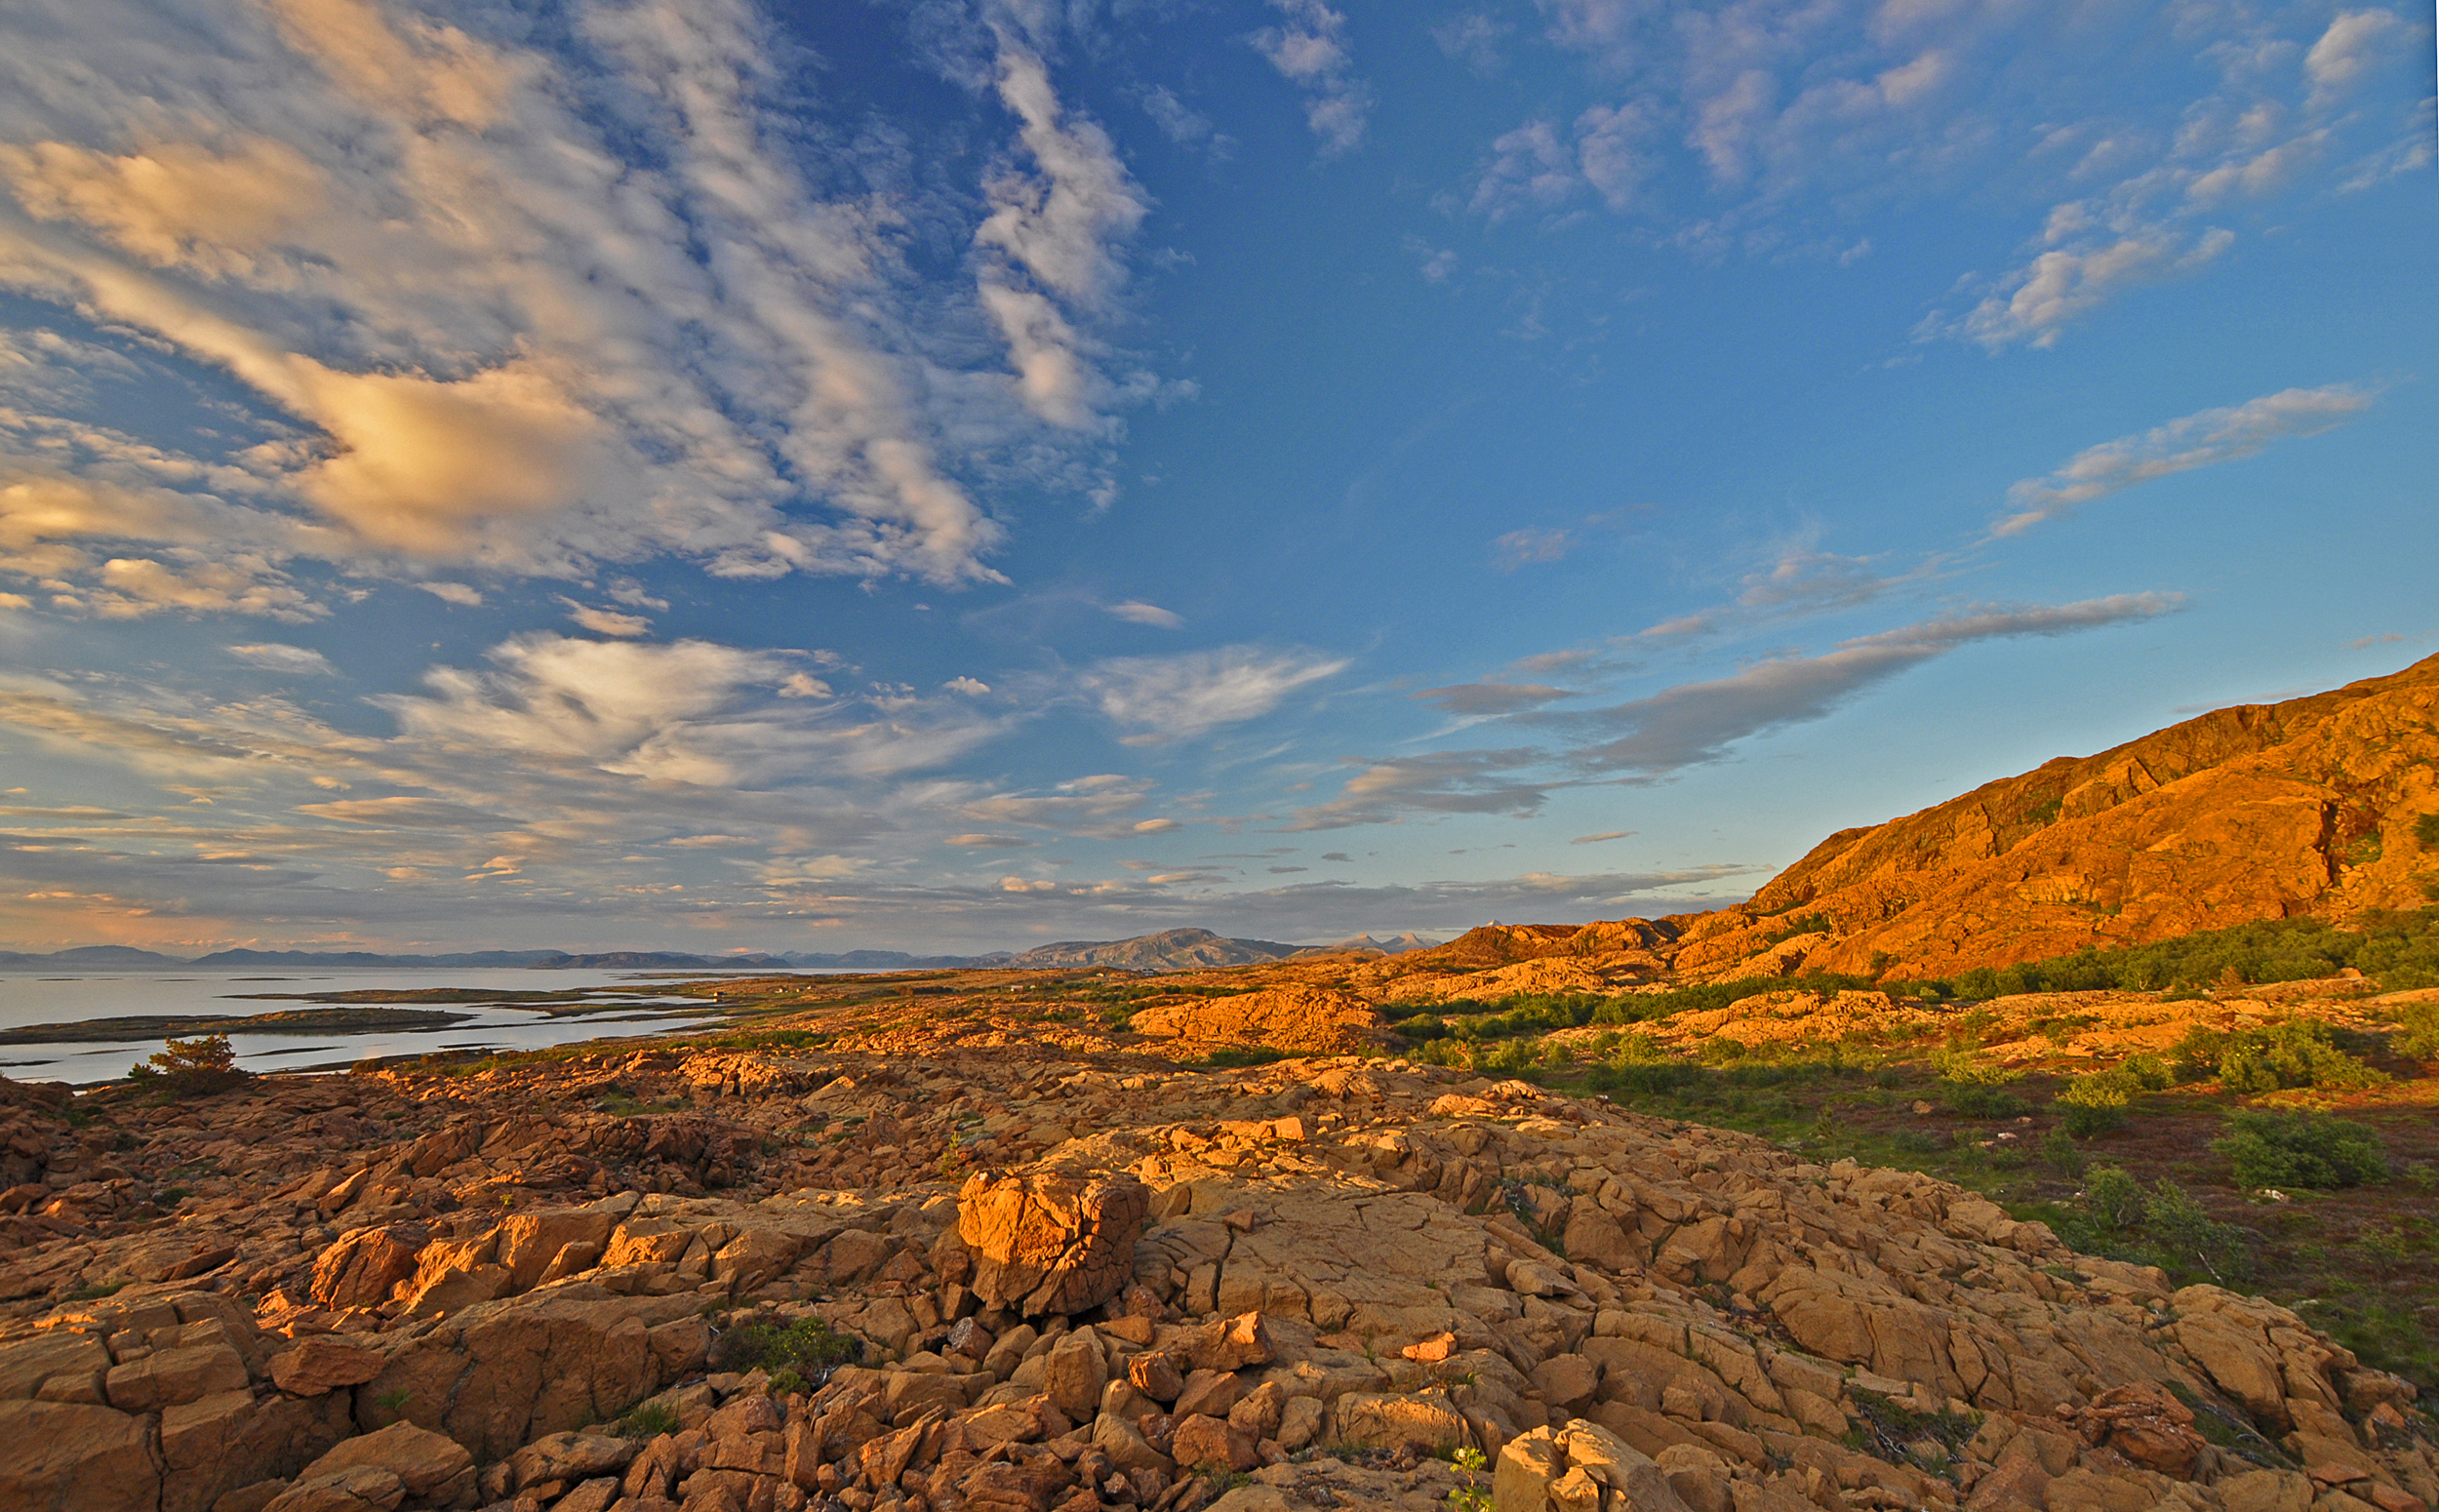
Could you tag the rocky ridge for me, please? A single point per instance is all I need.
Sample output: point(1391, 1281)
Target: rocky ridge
point(1076, 1278)
point(2258, 811)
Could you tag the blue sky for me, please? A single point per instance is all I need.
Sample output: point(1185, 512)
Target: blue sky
point(953, 475)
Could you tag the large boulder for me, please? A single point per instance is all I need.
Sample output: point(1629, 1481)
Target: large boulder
point(499, 1374)
point(427, 1468)
point(65, 1456)
point(1051, 1243)
point(364, 1266)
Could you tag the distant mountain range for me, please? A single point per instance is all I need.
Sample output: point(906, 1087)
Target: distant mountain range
point(127, 958)
point(1166, 951)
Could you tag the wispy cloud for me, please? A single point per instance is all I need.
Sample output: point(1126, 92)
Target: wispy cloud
point(1136, 612)
point(298, 660)
point(2200, 440)
point(1310, 51)
point(1696, 723)
point(474, 327)
point(1473, 700)
point(1688, 725)
point(1163, 697)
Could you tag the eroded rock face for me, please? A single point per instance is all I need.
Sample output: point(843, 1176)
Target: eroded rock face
point(1051, 1243)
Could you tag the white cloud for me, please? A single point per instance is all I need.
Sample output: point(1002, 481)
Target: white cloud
point(463, 595)
point(1311, 52)
point(295, 660)
point(608, 621)
point(1529, 545)
point(473, 329)
point(1136, 612)
point(2057, 286)
point(971, 687)
point(1531, 169)
point(2201, 440)
point(1168, 696)
point(2355, 43)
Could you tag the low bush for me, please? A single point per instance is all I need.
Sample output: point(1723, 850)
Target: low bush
point(2418, 1032)
point(2400, 948)
point(2165, 1226)
point(799, 1354)
point(191, 1068)
point(2095, 1102)
point(2300, 1053)
point(2275, 1148)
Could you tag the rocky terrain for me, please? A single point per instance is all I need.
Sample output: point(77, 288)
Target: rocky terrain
point(976, 1257)
point(1451, 1226)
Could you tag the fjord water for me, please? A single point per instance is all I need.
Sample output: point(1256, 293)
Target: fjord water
point(44, 998)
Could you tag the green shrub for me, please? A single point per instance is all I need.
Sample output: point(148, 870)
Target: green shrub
point(2418, 1031)
point(2300, 1053)
point(647, 1420)
point(1976, 1089)
point(2399, 948)
point(191, 1068)
point(2113, 1197)
point(2164, 1226)
point(2095, 1102)
point(2278, 1148)
point(799, 1355)
point(2183, 1228)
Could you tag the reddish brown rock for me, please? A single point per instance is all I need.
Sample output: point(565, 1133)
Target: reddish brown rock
point(2258, 811)
point(2144, 1424)
point(324, 1363)
point(363, 1267)
point(1201, 1442)
point(1311, 1021)
point(1051, 1243)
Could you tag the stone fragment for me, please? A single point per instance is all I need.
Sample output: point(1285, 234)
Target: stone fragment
point(428, 1466)
point(1051, 1243)
point(1427, 1419)
point(571, 1456)
point(1156, 1376)
point(324, 1361)
point(1202, 1443)
point(172, 1376)
point(1074, 1373)
point(2142, 1421)
point(1228, 1343)
point(364, 1266)
point(1211, 1393)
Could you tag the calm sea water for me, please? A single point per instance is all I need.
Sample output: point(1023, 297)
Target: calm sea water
point(30, 998)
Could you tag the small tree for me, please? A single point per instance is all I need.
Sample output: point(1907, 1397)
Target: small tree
point(191, 1068)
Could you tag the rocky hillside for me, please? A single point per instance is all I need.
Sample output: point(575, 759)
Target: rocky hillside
point(2259, 812)
point(981, 1257)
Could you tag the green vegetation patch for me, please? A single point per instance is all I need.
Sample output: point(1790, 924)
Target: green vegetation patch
point(2400, 948)
point(2300, 1052)
point(799, 1354)
point(2275, 1148)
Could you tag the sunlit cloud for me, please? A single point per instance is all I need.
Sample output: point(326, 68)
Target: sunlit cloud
point(2201, 440)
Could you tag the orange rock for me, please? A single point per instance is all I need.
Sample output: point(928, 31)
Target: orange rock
point(2259, 812)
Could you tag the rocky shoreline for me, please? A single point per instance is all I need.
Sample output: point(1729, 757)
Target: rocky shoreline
point(1071, 1279)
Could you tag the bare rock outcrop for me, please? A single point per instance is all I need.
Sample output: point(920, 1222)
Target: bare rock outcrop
point(1050, 1242)
point(1310, 1020)
point(2258, 811)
